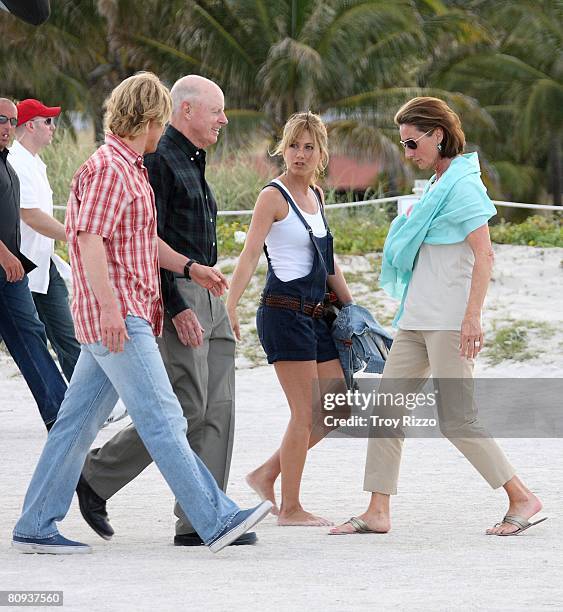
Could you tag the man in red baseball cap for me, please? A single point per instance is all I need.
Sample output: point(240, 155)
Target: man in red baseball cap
point(33, 109)
point(20, 328)
point(39, 229)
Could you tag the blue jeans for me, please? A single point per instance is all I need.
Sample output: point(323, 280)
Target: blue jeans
point(138, 375)
point(54, 313)
point(24, 336)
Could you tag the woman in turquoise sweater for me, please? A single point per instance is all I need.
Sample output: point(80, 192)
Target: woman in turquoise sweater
point(437, 261)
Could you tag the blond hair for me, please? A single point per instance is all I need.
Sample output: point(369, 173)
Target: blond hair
point(134, 102)
point(295, 126)
point(427, 114)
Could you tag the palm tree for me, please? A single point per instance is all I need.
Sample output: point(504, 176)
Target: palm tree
point(518, 79)
point(51, 62)
point(354, 61)
point(76, 58)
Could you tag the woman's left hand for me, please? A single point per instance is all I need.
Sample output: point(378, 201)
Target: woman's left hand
point(471, 339)
point(235, 325)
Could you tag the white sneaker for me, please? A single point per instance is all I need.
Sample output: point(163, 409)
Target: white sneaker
point(119, 412)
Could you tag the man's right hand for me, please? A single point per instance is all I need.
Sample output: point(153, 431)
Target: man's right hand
point(188, 328)
point(12, 266)
point(209, 278)
point(114, 330)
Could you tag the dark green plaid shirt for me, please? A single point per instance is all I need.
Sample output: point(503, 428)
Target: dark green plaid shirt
point(186, 208)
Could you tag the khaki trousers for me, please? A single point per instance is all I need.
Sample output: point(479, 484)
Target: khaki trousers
point(203, 379)
point(417, 355)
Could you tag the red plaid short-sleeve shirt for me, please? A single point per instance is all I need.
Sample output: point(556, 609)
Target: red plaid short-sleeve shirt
point(111, 197)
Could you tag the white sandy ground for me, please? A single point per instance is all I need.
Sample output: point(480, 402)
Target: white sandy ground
point(435, 558)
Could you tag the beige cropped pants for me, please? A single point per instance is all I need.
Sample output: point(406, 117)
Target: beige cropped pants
point(417, 355)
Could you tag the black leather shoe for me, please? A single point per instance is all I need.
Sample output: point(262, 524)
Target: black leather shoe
point(93, 509)
point(192, 539)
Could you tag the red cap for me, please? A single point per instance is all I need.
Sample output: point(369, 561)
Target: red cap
point(30, 108)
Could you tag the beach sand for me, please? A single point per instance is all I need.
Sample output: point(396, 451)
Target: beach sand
point(435, 558)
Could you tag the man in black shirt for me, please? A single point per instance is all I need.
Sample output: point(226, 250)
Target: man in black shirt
point(20, 327)
point(197, 345)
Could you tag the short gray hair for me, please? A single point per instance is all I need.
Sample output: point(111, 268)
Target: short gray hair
point(181, 91)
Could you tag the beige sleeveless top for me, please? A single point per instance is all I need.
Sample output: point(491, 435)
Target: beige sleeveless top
point(439, 289)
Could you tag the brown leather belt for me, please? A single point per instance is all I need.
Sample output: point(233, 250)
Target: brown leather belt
point(293, 303)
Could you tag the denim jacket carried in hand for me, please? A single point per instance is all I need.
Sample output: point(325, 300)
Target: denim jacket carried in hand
point(360, 341)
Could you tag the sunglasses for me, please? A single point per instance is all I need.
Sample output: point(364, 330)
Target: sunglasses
point(13, 121)
point(410, 143)
point(46, 120)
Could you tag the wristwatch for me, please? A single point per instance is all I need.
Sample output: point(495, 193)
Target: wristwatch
point(187, 267)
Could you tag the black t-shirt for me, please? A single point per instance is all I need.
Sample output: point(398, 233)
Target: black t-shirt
point(9, 205)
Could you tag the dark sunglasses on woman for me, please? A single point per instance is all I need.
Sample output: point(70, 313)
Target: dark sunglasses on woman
point(410, 143)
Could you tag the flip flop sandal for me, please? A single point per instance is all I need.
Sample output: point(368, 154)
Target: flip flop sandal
point(517, 521)
point(359, 525)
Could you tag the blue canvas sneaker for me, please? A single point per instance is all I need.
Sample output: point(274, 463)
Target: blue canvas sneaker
point(241, 523)
point(55, 545)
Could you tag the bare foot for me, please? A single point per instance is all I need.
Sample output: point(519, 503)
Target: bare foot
point(525, 509)
point(378, 522)
point(301, 518)
point(264, 487)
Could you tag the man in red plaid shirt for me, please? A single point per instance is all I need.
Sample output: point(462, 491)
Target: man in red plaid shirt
point(117, 310)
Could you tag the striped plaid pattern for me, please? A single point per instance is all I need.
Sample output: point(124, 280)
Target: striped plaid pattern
point(111, 197)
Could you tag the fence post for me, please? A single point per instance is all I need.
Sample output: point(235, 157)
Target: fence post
point(407, 201)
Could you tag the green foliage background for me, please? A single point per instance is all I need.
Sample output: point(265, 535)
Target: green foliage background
point(236, 184)
point(498, 63)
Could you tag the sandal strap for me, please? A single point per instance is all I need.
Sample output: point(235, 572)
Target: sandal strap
point(359, 525)
point(517, 521)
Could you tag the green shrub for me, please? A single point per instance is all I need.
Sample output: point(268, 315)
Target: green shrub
point(358, 231)
point(226, 228)
point(63, 158)
point(355, 233)
point(235, 181)
point(534, 231)
point(511, 340)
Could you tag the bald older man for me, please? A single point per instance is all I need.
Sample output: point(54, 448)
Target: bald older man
point(197, 345)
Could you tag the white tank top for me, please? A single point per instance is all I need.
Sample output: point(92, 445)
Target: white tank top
point(289, 247)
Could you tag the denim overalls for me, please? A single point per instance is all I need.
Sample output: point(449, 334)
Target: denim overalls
point(290, 335)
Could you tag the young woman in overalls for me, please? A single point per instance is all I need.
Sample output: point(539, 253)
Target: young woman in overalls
point(288, 219)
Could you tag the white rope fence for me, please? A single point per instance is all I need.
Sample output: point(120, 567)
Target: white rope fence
point(379, 201)
point(235, 213)
point(531, 206)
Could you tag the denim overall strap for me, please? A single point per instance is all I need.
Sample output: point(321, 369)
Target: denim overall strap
point(327, 259)
point(321, 208)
